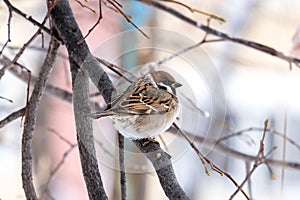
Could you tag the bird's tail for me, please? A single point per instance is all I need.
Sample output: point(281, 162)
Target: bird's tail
point(98, 115)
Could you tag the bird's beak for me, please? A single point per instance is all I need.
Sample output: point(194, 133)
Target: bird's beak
point(175, 85)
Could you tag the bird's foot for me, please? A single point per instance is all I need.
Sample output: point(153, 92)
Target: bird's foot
point(148, 140)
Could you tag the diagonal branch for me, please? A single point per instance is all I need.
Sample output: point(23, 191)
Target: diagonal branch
point(260, 47)
point(223, 149)
point(12, 117)
point(27, 17)
point(161, 161)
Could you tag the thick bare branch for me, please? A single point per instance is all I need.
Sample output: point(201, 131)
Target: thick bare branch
point(30, 120)
point(84, 129)
point(68, 30)
point(83, 65)
point(161, 161)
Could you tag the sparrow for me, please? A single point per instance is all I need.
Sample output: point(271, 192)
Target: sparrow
point(147, 108)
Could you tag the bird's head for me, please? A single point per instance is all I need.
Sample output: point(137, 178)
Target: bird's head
point(165, 81)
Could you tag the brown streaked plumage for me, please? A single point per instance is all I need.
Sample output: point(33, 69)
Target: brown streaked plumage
point(146, 108)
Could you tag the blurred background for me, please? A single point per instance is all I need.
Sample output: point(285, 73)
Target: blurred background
point(240, 88)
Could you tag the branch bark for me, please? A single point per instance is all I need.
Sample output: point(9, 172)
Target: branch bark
point(30, 120)
point(12, 117)
point(255, 45)
point(80, 56)
point(83, 65)
point(122, 166)
point(84, 129)
point(161, 161)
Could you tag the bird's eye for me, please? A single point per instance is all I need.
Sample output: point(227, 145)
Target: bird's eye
point(167, 82)
point(162, 87)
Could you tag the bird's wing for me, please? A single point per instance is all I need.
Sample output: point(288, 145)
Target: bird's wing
point(146, 100)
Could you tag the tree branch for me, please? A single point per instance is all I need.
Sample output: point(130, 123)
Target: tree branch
point(84, 129)
point(236, 154)
point(79, 53)
point(83, 65)
point(30, 120)
point(161, 161)
point(260, 47)
point(122, 166)
point(27, 17)
point(12, 117)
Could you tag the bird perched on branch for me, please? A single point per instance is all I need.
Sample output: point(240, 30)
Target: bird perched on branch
point(147, 108)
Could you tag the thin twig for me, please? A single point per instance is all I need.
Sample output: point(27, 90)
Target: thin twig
point(62, 138)
point(260, 159)
point(182, 51)
point(237, 154)
point(200, 155)
point(205, 160)
point(85, 6)
point(160, 62)
point(252, 129)
point(21, 51)
point(8, 29)
point(50, 89)
point(12, 117)
point(220, 19)
point(106, 4)
point(95, 25)
point(25, 74)
point(27, 17)
point(6, 99)
point(193, 105)
point(127, 18)
point(37, 48)
point(255, 45)
point(114, 68)
point(120, 5)
point(59, 164)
